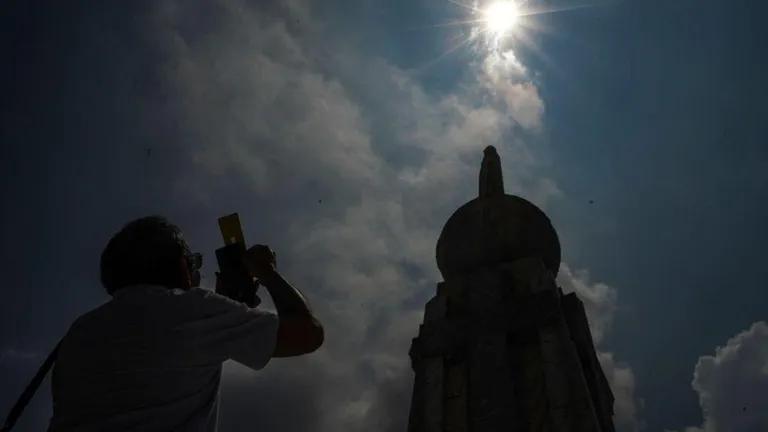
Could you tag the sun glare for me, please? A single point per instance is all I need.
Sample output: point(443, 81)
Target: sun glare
point(500, 17)
point(499, 26)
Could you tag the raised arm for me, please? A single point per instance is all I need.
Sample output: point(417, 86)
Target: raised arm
point(299, 332)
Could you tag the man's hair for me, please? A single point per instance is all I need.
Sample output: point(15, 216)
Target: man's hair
point(145, 251)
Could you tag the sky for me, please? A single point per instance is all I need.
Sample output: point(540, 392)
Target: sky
point(346, 133)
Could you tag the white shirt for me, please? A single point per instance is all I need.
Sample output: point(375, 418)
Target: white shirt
point(150, 360)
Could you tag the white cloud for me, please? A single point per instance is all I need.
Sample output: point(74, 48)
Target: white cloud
point(506, 77)
point(626, 404)
point(733, 384)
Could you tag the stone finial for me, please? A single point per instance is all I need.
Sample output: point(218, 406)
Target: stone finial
point(491, 180)
point(494, 229)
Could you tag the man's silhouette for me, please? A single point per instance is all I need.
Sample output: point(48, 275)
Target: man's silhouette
point(150, 359)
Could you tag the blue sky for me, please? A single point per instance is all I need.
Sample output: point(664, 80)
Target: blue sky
point(345, 136)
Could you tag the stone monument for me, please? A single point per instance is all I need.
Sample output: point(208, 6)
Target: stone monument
point(501, 347)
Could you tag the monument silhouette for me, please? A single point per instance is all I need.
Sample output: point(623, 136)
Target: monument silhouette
point(502, 348)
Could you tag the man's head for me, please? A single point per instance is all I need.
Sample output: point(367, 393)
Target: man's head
point(149, 250)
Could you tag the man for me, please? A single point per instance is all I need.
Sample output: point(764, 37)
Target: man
point(150, 359)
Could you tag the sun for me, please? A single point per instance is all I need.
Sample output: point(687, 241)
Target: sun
point(500, 17)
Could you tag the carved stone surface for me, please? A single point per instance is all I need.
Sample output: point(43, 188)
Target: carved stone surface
point(433, 394)
point(491, 407)
point(600, 391)
point(456, 397)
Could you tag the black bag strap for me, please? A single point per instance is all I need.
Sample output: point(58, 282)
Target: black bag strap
point(32, 387)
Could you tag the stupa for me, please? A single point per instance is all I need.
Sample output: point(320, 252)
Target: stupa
point(502, 348)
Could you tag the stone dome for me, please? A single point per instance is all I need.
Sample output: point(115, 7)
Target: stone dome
point(495, 228)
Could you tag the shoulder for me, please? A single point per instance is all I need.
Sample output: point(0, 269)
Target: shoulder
point(92, 318)
point(208, 298)
point(207, 302)
point(207, 311)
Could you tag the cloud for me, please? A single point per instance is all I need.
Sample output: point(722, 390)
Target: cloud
point(600, 304)
point(626, 404)
point(286, 399)
point(732, 384)
point(506, 77)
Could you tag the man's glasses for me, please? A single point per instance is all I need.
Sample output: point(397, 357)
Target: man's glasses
point(194, 261)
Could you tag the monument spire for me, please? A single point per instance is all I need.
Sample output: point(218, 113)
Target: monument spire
point(491, 180)
point(502, 348)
